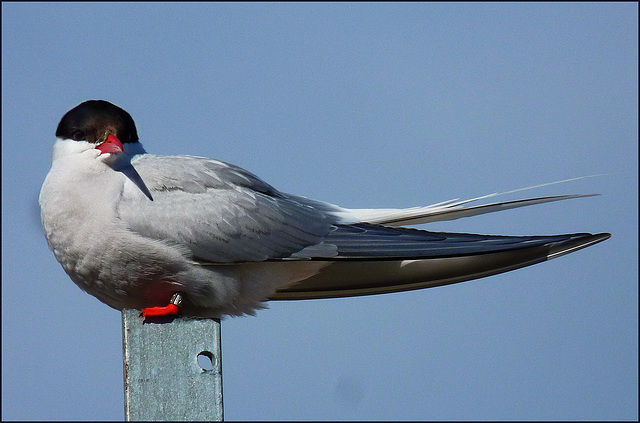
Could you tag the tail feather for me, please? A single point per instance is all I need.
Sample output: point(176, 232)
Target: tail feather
point(451, 211)
point(454, 209)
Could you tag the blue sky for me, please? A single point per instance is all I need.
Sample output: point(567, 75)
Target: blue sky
point(361, 105)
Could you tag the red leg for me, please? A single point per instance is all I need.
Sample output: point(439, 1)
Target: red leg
point(173, 309)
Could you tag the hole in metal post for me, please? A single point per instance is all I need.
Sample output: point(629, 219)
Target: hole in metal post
point(205, 361)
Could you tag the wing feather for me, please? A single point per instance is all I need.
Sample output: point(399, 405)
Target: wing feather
point(222, 213)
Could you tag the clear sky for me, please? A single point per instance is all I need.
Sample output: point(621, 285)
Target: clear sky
point(362, 105)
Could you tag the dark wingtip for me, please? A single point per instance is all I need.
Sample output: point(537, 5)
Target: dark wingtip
point(566, 247)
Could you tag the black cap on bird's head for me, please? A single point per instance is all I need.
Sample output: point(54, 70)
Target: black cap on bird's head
point(94, 121)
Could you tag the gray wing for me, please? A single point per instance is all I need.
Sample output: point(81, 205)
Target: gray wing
point(221, 212)
point(345, 278)
point(364, 241)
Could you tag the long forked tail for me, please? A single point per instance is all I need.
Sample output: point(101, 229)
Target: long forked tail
point(446, 210)
point(456, 209)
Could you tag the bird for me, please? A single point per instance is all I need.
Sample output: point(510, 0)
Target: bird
point(196, 237)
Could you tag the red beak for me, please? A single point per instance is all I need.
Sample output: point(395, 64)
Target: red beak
point(111, 145)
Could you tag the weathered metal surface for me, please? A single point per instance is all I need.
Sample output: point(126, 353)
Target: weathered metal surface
point(172, 370)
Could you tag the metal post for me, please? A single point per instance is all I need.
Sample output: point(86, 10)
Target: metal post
point(172, 370)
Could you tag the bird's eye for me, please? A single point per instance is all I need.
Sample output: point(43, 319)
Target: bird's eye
point(78, 135)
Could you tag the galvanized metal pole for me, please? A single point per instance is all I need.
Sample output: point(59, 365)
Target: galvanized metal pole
point(172, 370)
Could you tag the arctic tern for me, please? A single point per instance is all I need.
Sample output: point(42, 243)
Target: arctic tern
point(191, 236)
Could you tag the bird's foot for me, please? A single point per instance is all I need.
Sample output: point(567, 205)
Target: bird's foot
point(173, 309)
